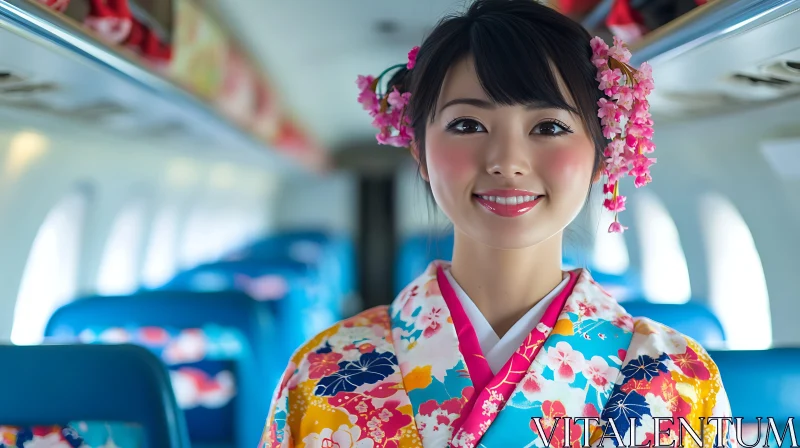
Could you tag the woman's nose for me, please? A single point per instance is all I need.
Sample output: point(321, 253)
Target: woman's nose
point(508, 158)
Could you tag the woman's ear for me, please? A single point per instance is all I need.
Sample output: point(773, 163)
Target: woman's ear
point(599, 173)
point(423, 170)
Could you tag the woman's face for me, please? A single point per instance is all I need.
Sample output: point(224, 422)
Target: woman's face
point(509, 177)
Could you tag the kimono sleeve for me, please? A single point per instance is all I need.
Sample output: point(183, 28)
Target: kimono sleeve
point(277, 433)
point(669, 390)
point(700, 385)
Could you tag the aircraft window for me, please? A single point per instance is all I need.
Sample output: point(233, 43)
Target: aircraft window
point(50, 276)
point(211, 233)
point(202, 239)
point(160, 259)
point(665, 275)
point(610, 253)
point(119, 272)
point(738, 289)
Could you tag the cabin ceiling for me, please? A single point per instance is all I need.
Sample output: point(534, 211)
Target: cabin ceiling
point(314, 49)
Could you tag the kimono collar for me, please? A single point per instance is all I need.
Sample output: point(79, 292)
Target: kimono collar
point(436, 374)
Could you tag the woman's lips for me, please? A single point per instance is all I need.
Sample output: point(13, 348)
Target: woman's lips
point(508, 203)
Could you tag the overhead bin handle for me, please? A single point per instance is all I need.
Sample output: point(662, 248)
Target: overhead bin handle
point(705, 24)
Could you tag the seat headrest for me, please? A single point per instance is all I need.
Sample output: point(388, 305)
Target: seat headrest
point(761, 383)
point(63, 383)
point(692, 319)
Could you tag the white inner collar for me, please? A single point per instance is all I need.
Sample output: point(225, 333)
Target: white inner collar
point(499, 350)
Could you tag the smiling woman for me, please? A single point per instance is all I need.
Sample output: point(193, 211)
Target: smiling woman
point(511, 112)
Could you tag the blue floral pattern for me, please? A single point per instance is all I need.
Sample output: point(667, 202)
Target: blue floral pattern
point(645, 367)
point(369, 369)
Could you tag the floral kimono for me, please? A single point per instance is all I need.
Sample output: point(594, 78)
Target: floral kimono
point(412, 375)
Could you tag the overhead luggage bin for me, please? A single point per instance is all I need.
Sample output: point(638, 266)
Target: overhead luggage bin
point(723, 56)
point(52, 67)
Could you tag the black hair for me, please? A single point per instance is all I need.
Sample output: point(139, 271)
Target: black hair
point(513, 43)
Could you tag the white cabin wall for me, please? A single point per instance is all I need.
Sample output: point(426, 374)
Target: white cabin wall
point(722, 154)
point(329, 202)
point(63, 156)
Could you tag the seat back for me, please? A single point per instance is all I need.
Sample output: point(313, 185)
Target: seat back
point(623, 287)
point(761, 383)
point(289, 289)
point(417, 252)
point(332, 255)
point(692, 319)
point(220, 349)
point(72, 384)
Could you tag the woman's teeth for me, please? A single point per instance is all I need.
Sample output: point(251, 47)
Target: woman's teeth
point(512, 200)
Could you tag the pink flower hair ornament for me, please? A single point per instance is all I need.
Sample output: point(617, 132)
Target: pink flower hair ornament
point(625, 117)
point(624, 114)
point(388, 108)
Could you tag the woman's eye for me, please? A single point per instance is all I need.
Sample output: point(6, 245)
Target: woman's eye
point(465, 126)
point(552, 128)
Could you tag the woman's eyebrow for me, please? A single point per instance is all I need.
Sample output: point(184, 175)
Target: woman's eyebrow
point(477, 102)
point(536, 105)
point(485, 104)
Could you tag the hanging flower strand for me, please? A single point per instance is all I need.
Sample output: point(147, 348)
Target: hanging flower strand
point(626, 121)
point(388, 110)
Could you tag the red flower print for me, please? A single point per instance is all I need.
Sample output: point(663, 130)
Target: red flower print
point(691, 365)
point(366, 348)
point(633, 384)
point(451, 406)
point(432, 321)
point(384, 390)
point(553, 423)
point(531, 384)
point(586, 309)
point(435, 418)
point(564, 361)
point(665, 387)
point(384, 424)
point(624, 321)
point(323, 364)
point(270, 439)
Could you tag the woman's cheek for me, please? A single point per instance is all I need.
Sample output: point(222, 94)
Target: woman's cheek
point(568, 167)
point(450, 162)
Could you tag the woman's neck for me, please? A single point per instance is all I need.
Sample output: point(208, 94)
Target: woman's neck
point(506, 284)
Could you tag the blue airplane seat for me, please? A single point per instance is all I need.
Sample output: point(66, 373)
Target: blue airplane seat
point(692, 319)
point(417, 252)
point(220, 349)
point(87, 390)
point(623, 287)
point(761, 383)
point(333, 254)
point(302, 304)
